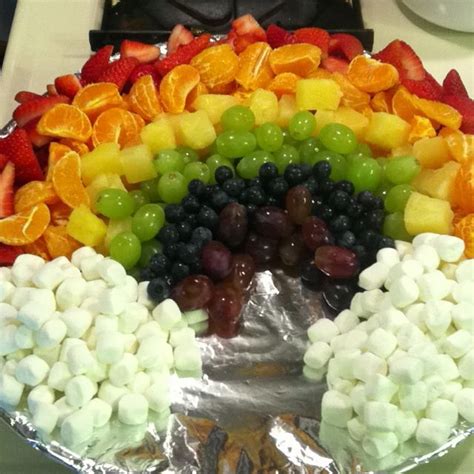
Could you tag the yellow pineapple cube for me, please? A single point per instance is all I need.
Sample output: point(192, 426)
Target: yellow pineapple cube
point(158, 135)
point(404, 150)
point(323, 117)
point(86, 227)
point(214, 104)
point(318, 94)
point(438, 183)
point(431, 152)
point(103, 159)
point(427, 214)
point(354, 120)
point(196, 130)
point(115, 227)
point(286, 109)
point(264, 105)
point(103, 181)
point(137, 163)
point(387, 131)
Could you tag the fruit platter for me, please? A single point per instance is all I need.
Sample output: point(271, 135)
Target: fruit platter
point(251, 252)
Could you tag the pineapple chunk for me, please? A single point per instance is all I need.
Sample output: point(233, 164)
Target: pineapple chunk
point(115, 227)
point(323, 117)
point(438, 183)
point(286, 109)
point(137, 164)
point(103, 159)
point(214, 104)
point(387, 131)
point(354, 120)
point(317, 94)
point(103, 181)
point(404, 150)
point(196, 130)
point(426, 214)
point(86, 227)
point(431, 152)
point(158, 135)
point(264, 105)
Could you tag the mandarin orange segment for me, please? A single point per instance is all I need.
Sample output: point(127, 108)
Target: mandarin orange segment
point(217, 65)
point(56, 152)
point(143, 98)
point(60, 213)
point(464, 229)
point(352, 96)
point(461, 145)
point(74, 145)
point(421, 127)
point(176, 86)
point(25, 227)
point(58, 242)
point(254, 66)
point(95, 98)
point(67, 181)
point(33, 193)
point(380, 102)
point(284, 83)
point(441, 113)
point(65, 121)
point(301, 59)
point(229, 88)
point(320, 74)
point(370, 75)
point(38, 247)
point(463, 193)
point(200, 89)
point(403, 104)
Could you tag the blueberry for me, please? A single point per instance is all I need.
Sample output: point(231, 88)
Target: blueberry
point(174, 213)
point(354, 209)
point(195, 267)
point(321, 170)
point(251, 208)
point(201, 235)
point(267, 172)
point(347, 239)
point(386, 242)
point(339, 200)
point(207, 217)
point(158, 289)
point(159, 264)
point(369, 239)
point(338, 295)
point(345, 186)
point(377, 203)
point(311, 276)
point(312, 185)
point(234, 186)
point(191, 204)
point(326, 186)
point(361, 252)
point(222, 174)
point(179, 271)
point(147, 274)
point(184, 230)
point(168, 234)
point(191, 219)
point(306, 169)
point(208, 192)
point(374, 219)
point(294, 174)
point(273, 201)
point(244, 196)
point(189, 252)
point(254, 182)
point(366, 198)
point(256, 195)
point(196, 187)
point(277, 187)
point(171, 250)
point(219, 198)
point(326, 213)
point(340, 223)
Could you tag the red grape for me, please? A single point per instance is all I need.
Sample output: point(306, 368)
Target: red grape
point(226, 304)
point(225, 330)
point(261, 249)
point(336, 262)
point(298, 204)
point(292, 249)
point(243, 270)
point(273, 222)
point(233, 224)
point(194, 292)
point(216, 260)
point(316, 233)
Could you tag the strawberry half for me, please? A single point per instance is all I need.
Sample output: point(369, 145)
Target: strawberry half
point(7, 178)
point(68, 85)
point(345, 46)
point(278, 36)
point(179, 36)
point(96, 64)
point(24, 96)
point(333, 64)
point(36, 138)
point(8, 254)
point(245, 31)
point(119, 71)
point(17, 147)
point(3, 161)
point(453, 85)
point(51, 90)
point(401, 55)
point(427, 88)
point(35, 108)
point(316, 36)
point(145, 53)
point(144, 70)
point(465, 107)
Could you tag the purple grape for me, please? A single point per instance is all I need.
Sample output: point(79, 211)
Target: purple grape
point(316, 233)
point(292, 249)
point(273, 222)
point(194, 292)
point(298, 204)
point(261, 249)
point(233, 224)
point(216, 260)
point(336, 262)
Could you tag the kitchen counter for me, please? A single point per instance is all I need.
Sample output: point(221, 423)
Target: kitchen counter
point(50, 38)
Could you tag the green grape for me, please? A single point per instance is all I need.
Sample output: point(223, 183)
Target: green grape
point(149, 249)
point(337, 162)
point(114, 203)
point(365, 173)
point(172, 187)
point(269, 137)
point(302, 125)
point(234, 144)
point(188, 154)
point(197, 170)
point(238, 118)
point(288, 139)
point(169, 160)
point(250, 164)
point(125, 248)
point(139, 199)
point(213, 162)
point(383, 189)
point(397, 198)
point(363, 149)
point(308, 150)
point(339, 138)
point(147, 221)
point(394, 227)
point(134, 272)
point(150, 190)
point(402, 169)
point(284, 156)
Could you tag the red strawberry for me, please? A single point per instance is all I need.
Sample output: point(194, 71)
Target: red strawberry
point(465, 107)
point(17, 147)
point(316, 36)
point(3, 161)
point(179, 36)
point(144, 70)
point(183, 55)
point(245, 31)
point(345, 46)
point(333, 64)
point(453, 85)
point(96, 64)
point(7, 178)
point(68, 85)
point(37, 139)
point(8, 254)
point(401, 55)
point(51, 90)
point(145, 53)
point(35, 108)
point(119, 71)
point(428, 88)
point(278, 36)
point(24, 96)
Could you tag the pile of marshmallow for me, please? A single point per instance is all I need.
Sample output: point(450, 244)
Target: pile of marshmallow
point(80, 340)
point(407, 370)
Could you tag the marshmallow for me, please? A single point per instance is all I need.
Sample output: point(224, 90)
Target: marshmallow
point(133, 409)
point(40, 394)
point(130, 343)
point(6, 290)
point(381, 343)
point(342, 364)
point(151, 329)
point(80, 254)
point(404, 292)
point(314, 375)
point(31, 370)
point(355, 339)
point(318, 355)
point(449, 248)
point(466, 365)
point(445, 367)
point(112, 301)
point(323, 330)
point(433, 286)
point(111, 394)
point(101, 412)
point(391, 319)
point(11, 391)
point(338, 343)
point(25, 266)
point(94, 288)
point(413, 397)
point(372, 323)
point(91, 305)
point(79, 390)
point(139, 383)
point(130, 288)
point(380, 416)
point(112, 272)
point(346, 320)
point(356, 305)
point(427, 238)
point(371, 300)
point(450, 390)
point(8, 314)
point(24, 338)
point(77, 321)
point(143, 297)
point(336, 408)
point(379, 444)
point(403, 248)
point(59, 376)
point(133, 315)
point(435, 386)
point(67, 344)
point(427, 256)
point(465, 271)
point(79, 359)
point(109, 347)
point(357, 430)
point(409, 268)
point(77, 428)
point(368, 364)
point(464, 292)
point(414, 314)
point(97, 371)
point(5, 274)
point(463, 316)
point(158, 397)
point(408, 335)
point(38, 310)
point(167, 314)
point(406, 370)
point(458, 343)
point(106, 323)
point(89, 266)
point(49, 354)
point(380, 388)
point(187, 357)
point(51, 333)
point(21, 296)
point(449, 270)
point(64, 410)
point(388, 256)
point(358, 399)
point(182, 336)
point(464, 401)
point(49, 276)
point(437, 316)
point(123, 371)
point(10, 367)
point(443, 411)
point(196, 316)
point(432, 432)
point(373, 277)
point(70, 293)
point(405, 425)
point(46, 417)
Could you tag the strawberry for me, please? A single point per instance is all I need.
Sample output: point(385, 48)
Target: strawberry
point(427, 88)
point(35, 108)
point(7, 178)
point(17, 147)
point(401, 55)
point(37, 139)
point(145, 53)
point(179, 36)
point(143, 70)
point(345, 46)
point(96, 64)
point(334, 64)
point(8, 254)
point(24, 96)
point(465, 106)
point(278, 36)
point(119, 71)
point(3, 161)
point(245, 31)
point(183, 54)
point(68, 85)
point(51, 90)
point(316, 36)
point(453, 85)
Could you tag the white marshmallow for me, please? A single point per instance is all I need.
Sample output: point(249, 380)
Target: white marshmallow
point(79, 390)
point(40, 394)
point(414, 314)
point(465, 271)
point(49, 354)
point(81, 253)
point(449, 248)
point(25, 266)
point(432, 432)
point(182, 336)
point(130, 343)
point(464, 401)
point(10, 367)
point(463, 316)
point(406, 370)
point(46, 417)
point(443, 411)
point(372, 323)
point(437, 316)
point(167, 314)
point(130, 288)
point(427, 256)
point(463, 292)
point(109, 347)
point(355, 339)
point(380, 416)
point(77, 321)
point(433, 286)
point(133, 315)
point(111, 394)
point(64, 410)
point(49, 276)
point(338, 343)
point(91, 305)
point(89, 267)
point(158, 397)
point(323, 330)
point(67, 344)
point(388, 257)
point(403, 248)
point(133, 409)
point(371, 301)
point(466, 365)
point(51, 333)
point(106, 323)
point(450, 390)
point(24, 337)
point(391, 319)
point(139, 383)
point(143, 297)
point(405, 425)
point(101, 412)
point(112, 272)
point(368, 364)
point(341, 386)
point(435, 386)
point(97, 372)
point(8, 314)
point(21, 296)
point(336, 408)
point(79, 359)
point(357, 429)
point(381, 343)
point(318, 355)
point(77, 428)
point(358, 399)
point(373, 277)
point(94, 288)
point(380, 388)
point(409, 268)
point(346, 320)
point(404, 292)
point(151, 329)
point(11, 391)
point(427, 238)
point(32, 370)
point(70, 293)
point(38, 310)
point(187, 357)
point(5, 274)
point(413, 397)
point(59, 376)
point(112, 301)
point(445, 367)
point(314, 375)
point(458, 343)
point(449, 270)
point(379, 444)
point(408, 335)
point(6, 290)
point(196, 316)
point(123, 371)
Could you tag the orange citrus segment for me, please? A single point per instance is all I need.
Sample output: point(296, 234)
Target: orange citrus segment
point(370, 75)
point(176, 86)
point(301, 59)
point(56, 152)
point(254, 66)
point(38, 247)
point(403, 104)
point(95, 98)
point(33, 193)
point(352, 96)
point(143, 98)
point(461, 145)
point(421, 127)
point(229, 88)
point(59, 242)
point(463, 193)
point(464, 229)
point(74, 145)
point(380, 102)
point(284, 83)
point(200, 89)
point(442, 113)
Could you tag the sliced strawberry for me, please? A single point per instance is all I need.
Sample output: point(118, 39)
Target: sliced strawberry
point(345, 46)
point(3, 161)
point(144, 70)
point(35, 108)
point(68, 85)
point(24, 96)
point(183, 55)
point(119, 71)
point(7, 178)
point(17, 147)
point(427, 88)
point(316, 36)
point(401, 55)
point(36, 138)
point(453, 85)
point(96, 64)
point(333, 64)
point(278, 36)
point(465, 107)
point(179, 36)
point(8, 254)
point(145, 53)
point(245, 31)
point(51, 90)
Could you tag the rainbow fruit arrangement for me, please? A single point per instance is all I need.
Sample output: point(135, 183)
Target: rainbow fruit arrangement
point(193, 168)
